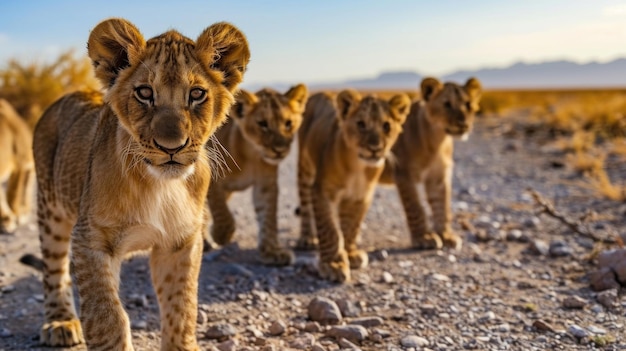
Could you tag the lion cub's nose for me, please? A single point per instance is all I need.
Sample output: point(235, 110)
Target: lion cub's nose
point(170, 147)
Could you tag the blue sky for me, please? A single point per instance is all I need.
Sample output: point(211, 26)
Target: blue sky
point(325, 41)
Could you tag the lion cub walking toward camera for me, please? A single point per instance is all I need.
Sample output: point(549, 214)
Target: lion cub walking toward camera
point(258, 136)
point(342, 150)
point(17, 168)
point(129, 171)
point(423, 157)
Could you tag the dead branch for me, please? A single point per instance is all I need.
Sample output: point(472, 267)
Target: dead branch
point(548, 208)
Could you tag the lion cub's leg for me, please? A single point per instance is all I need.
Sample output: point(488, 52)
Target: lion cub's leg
point(333, 259)
point(61, 326)
point(175, 274)
point(104, 321)
point(223, 226)
point(8, 222)
point(308, 235)
point(19, 193)
point(421, 238)
point(351, 214)
point(265, 196)
point(438, 190)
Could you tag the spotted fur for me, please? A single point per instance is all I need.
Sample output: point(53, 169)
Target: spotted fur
point(423, 157)
point(343, 144)
point(128, 171)
point(17, 169)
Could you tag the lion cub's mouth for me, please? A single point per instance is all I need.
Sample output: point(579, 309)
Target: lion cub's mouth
point(372, 160)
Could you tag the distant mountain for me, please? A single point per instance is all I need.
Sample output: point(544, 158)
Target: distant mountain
point(554, 74)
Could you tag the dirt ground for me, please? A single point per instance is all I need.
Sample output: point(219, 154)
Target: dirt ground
point(520, 282)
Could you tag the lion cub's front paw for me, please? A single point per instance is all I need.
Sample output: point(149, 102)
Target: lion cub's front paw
point(452, 240)
point(337, 270)
point(277, 256)
point(62, 333)
point(358, 259)
point(307, 243)
point(223, 235)
point(426, 241)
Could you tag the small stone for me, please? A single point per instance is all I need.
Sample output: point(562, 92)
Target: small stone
point(387, 278)
point(138, 300)
point(7, 289)
point(578, 331)
point(574, 302)
point(607, 298)
point(616, 260)
point(368, 322)
point(5, 333)
point(228, 345)
point(514, 235)
point(324, 310)
point(504, 328)
point(428, 309)
point(202, 317)
point(139, 325)
point(318, 347)
point(414, 341)
point(380, 255)
point(303, 341)
point(560, 249)
point(346, 344)
point(603, 279)
point(312, 327)
point(541, 325)
point(277, 328)
point(532, 222)
point(220, 331)
point(354, 333)
point(348, 308)
point(539, 247)
point(440, 277)
point(596, 330)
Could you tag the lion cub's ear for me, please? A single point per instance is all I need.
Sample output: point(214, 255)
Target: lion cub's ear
point(113, 45)
point(429, 87)
point(346, 101)
point(244, 103)
point(297, 95)
point(223, 47)
point(473, 88)
point(400, 105)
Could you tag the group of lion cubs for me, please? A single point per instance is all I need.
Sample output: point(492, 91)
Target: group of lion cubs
point(129, 170)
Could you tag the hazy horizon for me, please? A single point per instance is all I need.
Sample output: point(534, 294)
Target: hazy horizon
point(334, 41)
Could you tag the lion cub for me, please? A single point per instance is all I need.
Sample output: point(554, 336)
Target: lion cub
point(258, 136)
point(17, 168)
point(423, 157)
point(342, 150)
point(128, 171)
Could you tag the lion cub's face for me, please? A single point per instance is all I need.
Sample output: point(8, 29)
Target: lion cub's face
point(169, 93)
point(450, 105)
point(371, 125)
point(269, 120)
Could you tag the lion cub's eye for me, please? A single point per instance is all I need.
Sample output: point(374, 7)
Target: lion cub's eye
point(144, 94)
point(262, 124)
point(288, 125)
point(197, 95)
point(448, 105)
point(386, 127)
point(360, 125)
point(468, 105)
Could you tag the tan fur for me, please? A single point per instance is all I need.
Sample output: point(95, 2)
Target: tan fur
point(258, 136)
point(129, 171)
point(342, 148)
point(17, 168)
point(423, 157)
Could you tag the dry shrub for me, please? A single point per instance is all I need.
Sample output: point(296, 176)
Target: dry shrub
point(600, 182)
point(32, 87)
point(586, 163)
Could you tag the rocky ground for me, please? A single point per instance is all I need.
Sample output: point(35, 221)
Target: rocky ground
point(520, 282)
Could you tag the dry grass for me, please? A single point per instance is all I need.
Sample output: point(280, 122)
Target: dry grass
point(32, 87)
point(583, 119)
